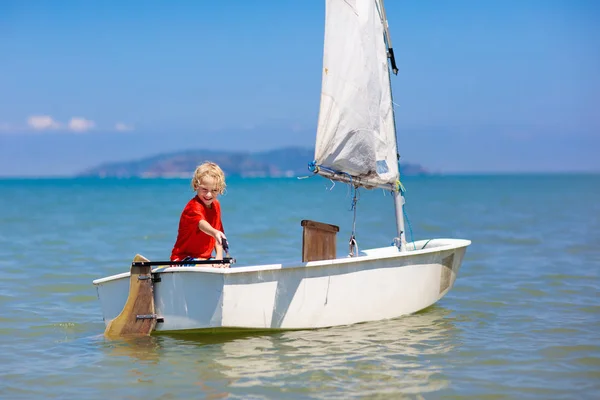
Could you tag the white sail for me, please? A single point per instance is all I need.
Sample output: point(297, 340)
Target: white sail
point(356, 133)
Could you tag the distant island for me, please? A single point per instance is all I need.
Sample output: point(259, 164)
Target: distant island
point(286, 162)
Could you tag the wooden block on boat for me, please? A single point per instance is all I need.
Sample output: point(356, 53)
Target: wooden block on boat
point(138, 317)
point(318, 241)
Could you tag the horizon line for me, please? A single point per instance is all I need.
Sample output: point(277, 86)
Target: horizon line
point(237, 176)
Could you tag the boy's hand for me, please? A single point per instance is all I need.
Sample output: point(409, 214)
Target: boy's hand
point(219, 236)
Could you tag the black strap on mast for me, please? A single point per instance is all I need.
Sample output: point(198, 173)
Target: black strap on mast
point(388, 38)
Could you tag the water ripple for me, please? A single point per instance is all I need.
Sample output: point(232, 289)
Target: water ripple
point(522, 321)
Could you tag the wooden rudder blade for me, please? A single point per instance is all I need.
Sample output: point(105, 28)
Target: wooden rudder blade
point(138, 317)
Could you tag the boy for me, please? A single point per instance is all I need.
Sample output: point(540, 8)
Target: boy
point(200, 226)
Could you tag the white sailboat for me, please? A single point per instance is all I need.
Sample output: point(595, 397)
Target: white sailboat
point(356, 144)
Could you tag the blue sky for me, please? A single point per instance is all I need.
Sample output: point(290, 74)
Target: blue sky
point(484, 86)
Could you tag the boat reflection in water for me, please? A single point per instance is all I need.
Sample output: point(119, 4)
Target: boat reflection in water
point(403, 355)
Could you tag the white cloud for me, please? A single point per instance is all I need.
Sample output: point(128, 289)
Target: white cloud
point(79, 124)
point(42, 122)
point(122, 127)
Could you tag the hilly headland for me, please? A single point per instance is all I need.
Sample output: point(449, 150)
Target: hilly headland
point(285, 162)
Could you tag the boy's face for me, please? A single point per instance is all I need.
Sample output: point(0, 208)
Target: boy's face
point(207, 190)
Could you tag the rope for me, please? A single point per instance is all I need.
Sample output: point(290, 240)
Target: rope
point(352, 244)
point(402, 190)
point(409, 228)
point(314, 167)
point(400, 187)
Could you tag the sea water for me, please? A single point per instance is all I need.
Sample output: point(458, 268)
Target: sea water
point(522, 321)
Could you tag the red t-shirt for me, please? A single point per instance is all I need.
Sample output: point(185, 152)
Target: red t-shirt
point(191, 241)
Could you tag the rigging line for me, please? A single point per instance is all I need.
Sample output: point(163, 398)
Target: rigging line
point(354, 200)
point(352, 243)
point(314, 167)
point(426, 243)
point(412, 239)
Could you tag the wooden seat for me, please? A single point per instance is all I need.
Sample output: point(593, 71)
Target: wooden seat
point(318, 241)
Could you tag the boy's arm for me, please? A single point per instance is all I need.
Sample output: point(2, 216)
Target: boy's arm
point(209, 230)
point(217, 234)
point(218, 251)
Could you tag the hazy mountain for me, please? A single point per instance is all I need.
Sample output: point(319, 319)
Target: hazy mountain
point(291, 161)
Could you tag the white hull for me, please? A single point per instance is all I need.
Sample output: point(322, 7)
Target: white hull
point(381, 284)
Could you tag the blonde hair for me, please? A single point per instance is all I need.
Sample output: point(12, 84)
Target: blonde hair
point(212, 170)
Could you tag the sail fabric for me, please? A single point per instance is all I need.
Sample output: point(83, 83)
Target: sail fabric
point(356, 133)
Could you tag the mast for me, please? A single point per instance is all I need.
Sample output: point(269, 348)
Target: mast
point(400, 240)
